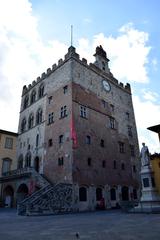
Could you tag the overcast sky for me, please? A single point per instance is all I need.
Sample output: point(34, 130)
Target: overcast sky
point(34, 34)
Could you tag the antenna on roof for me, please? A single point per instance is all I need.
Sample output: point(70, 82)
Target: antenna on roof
point(71, 35)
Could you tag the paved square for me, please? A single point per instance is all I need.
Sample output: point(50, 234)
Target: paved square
point(102, 225)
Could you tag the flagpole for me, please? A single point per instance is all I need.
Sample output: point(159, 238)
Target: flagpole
point(71, 35)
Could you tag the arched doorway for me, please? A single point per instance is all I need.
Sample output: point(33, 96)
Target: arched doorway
point(8, 195)
point(82, 194)
point(113, 194)
point(99, 194)
point(125, 194)
point(36, 164)
point(22, 192)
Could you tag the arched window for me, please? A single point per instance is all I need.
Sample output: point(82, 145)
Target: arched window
point(39, 116)
point(41, 91)
point(23, 125)
point(36, 164)
point(25, 103)
point(20, 162)
point(125, 193)
point(113, 194)
point(98, 194)
point(82, 194)
point(30, 121)
point(37, 140)
point(28, 160)
point(33, 96)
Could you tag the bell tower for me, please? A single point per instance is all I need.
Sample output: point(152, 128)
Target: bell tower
point(101, 59)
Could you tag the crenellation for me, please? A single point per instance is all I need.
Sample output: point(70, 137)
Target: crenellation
point(49, 71)
point(84, 61)
point(121, 84)
point(33, 83)
point(29, 86)
point(60, 62)
point(24, 90)
point(115, 80)
point(54, 66)
point(43, 76)
point(128, 87)
point(38, 79)
point(71, 53)
point(76, 55)
point(71, 50)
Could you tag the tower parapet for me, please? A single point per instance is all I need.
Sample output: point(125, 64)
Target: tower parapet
point(100, 66)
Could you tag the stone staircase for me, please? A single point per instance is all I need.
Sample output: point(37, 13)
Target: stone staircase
point(26, 173)
point(50, 199)
point(40, 180)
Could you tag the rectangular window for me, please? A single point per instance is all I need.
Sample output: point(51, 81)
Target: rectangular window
point(63, 112)
point(112, 123)
point(145, 182)
point(49, 100)
point(127, 115)
point(61, 139)
point(50, 118)
point(123, 166)
point(60, 161)
point(89, 161)
point(83, 112)
point(50, 143)
point(65, 89)
point(102, 143)
point(134, 169)
point(132, 150)
point(104, 103)
point(121, 147)
point(112, 107)
point(6, 165)
point(88, 140)
point(114, 165)
point(103, 163)
point(130, 131)
point(9, 143)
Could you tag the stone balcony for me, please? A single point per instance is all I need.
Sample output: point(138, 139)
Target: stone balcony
point(17, 173)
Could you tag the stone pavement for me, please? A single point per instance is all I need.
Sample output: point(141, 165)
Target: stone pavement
point(102, 225)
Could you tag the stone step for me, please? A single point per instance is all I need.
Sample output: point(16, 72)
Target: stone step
point(49, 200)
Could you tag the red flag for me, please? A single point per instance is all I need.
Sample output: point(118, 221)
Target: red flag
point(73, 134)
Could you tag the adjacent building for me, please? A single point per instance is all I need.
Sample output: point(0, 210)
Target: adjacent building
point(155, 160)
point(8, 142)
point(77, 126)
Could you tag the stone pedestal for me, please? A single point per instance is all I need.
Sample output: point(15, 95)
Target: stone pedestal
point(150, 200)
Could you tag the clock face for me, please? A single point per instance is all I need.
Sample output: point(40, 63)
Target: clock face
point(106, 85)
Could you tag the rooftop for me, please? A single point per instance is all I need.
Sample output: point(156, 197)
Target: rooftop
point(8, 132)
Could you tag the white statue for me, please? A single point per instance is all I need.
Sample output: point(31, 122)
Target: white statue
point(145, 159)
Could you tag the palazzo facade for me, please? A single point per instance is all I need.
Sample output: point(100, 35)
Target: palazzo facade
point(77, 126)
